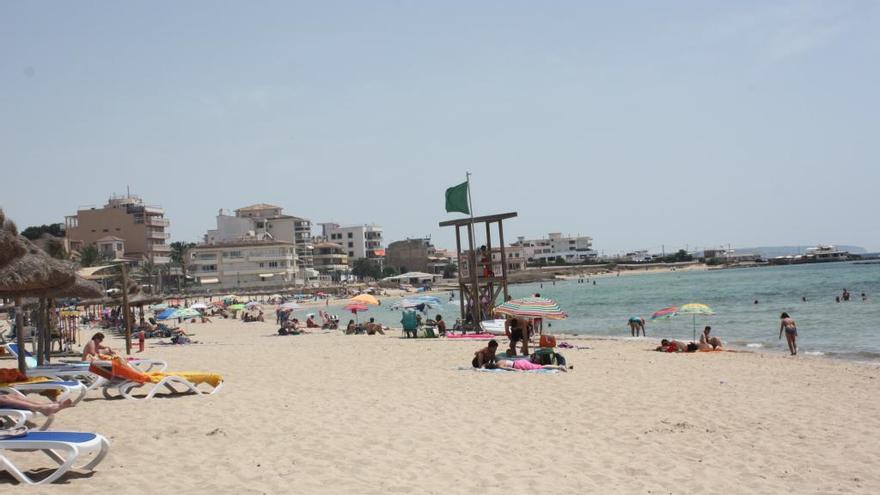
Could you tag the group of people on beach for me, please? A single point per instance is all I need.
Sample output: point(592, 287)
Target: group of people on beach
point(706, 343)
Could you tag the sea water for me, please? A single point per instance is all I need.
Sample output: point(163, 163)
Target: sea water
point(825, 327)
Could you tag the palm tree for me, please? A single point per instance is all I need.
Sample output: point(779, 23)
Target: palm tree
point(180, 257)
point(148, 272)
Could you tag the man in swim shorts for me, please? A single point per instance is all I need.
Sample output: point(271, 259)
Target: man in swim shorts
point(516, 330)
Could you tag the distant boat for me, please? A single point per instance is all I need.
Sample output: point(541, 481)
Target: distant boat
point(822, 253)
point(819, 254)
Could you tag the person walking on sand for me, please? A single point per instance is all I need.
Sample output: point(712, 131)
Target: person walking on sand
point(789, 326)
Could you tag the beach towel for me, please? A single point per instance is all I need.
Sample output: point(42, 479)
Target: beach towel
point(503, 370)
point(477, 336)
point(122, 370)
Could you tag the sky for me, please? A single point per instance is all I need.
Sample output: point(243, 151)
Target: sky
point(641, 124)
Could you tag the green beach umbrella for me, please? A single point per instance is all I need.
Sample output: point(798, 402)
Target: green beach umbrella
point(695, 309)
point(236, 307)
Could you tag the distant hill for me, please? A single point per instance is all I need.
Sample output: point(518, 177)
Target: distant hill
point(774, 251)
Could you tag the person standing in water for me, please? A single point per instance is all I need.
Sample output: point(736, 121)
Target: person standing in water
point(789, 326)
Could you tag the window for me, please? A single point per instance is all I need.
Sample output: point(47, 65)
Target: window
point(105, 230)
point(351, 244)
point(351, 253)
point(350, 235)
point(272, 264)
point(209, 268)
point(261, 265)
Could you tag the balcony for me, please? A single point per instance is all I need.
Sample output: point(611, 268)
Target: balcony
point(154, 221)
point(159, 248)
point(158, 235)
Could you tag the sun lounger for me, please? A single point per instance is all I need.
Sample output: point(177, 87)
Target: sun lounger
point(68, 368)
point(73, 390)
point(17, 418)
point(65, 448)
point(122, 378)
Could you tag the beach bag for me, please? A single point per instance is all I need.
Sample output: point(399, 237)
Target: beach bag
point(547, 341)
point(544, 356)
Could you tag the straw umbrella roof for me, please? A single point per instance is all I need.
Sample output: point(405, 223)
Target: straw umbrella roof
point(144, 299)
point(11, 246)
point(81, 289)
point(34, 274)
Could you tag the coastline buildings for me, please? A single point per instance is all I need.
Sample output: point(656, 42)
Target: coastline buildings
point(268, 223)
point(248, 264)
point(416, 255)
point(358, 241)
point(573, 249)
point(331, 259)
point(124, 228)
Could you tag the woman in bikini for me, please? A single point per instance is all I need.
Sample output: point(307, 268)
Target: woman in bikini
point(789, 326)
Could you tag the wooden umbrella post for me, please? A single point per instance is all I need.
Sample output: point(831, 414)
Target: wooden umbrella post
point(125, 310)
point(19, 335)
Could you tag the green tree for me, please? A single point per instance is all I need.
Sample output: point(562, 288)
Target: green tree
point(34, 232)
point(180, 258)
point(366, 268)
point(89, 256)
point(449, 270)
point(390, 271)
point(55, 248)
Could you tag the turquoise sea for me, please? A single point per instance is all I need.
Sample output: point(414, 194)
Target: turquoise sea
point(825, 327)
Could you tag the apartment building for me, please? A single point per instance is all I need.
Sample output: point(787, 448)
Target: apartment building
point(140, 228)
point(247, 264)
point(359, 241)
point(573, 249)
point(267, 222)
point(330, 258)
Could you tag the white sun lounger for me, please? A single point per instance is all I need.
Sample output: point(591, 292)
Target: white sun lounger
point(72, 390)
point(173, 384)
point(65, 448)
point(15, 418)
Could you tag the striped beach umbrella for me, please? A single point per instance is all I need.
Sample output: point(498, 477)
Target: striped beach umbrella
point(665, 312)
point(695, 309)
point(532, 307)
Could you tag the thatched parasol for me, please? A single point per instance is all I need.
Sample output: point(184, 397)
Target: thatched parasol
point(144, 299)
point(10, 245)
point(35, 273)
point(81, 289)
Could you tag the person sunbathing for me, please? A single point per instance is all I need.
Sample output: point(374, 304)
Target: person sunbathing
point(44, 408)
point(93, 350)
point(373, 328)
point(708, 343)
point(486, 355)
point(523, 365)
point(675, 346)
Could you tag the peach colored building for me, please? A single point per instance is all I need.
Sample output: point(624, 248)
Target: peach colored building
point(140, 227)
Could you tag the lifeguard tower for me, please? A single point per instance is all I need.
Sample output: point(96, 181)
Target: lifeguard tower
point(479, 283)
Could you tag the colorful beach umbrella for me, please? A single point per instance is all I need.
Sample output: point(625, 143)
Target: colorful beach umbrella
point(289, 306)
point(252, 305)
point(199, 306)
point(356, 308)
point(665, 312)
point(236, 307)
point(532, 307)
point(695, 309)
point(365, 299)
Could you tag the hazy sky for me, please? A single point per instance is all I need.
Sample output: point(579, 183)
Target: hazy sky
point(639, 123)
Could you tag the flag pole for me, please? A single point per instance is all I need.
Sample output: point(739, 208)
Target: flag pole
point(476, 310)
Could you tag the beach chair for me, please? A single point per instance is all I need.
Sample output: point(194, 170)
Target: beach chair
point(65, 448)
point(121, 378)
point(73, 390)
point(410, 323)
point(18, 418)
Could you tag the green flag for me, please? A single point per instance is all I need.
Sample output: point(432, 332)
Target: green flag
point(457, 198)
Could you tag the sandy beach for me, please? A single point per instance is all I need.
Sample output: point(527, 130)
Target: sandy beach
point(328, 413)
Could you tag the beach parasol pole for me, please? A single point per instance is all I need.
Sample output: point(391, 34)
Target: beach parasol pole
point(19, 335)
point(125, 308)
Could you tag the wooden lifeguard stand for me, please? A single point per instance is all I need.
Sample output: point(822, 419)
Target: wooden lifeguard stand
point(479, 291)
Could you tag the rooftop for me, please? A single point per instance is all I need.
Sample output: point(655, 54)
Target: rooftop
point(258, 206)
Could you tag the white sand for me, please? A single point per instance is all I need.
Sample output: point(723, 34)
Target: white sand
point(334, 414)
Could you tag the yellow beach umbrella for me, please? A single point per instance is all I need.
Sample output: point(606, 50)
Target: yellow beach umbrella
point(366, 299)
point(695, 309)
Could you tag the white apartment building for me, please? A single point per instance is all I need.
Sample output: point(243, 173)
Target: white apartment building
point(573, 249)
point(248, 264)
point(267, 222)
point(359, 241)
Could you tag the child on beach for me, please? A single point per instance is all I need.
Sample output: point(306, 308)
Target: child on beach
point(789, 326)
